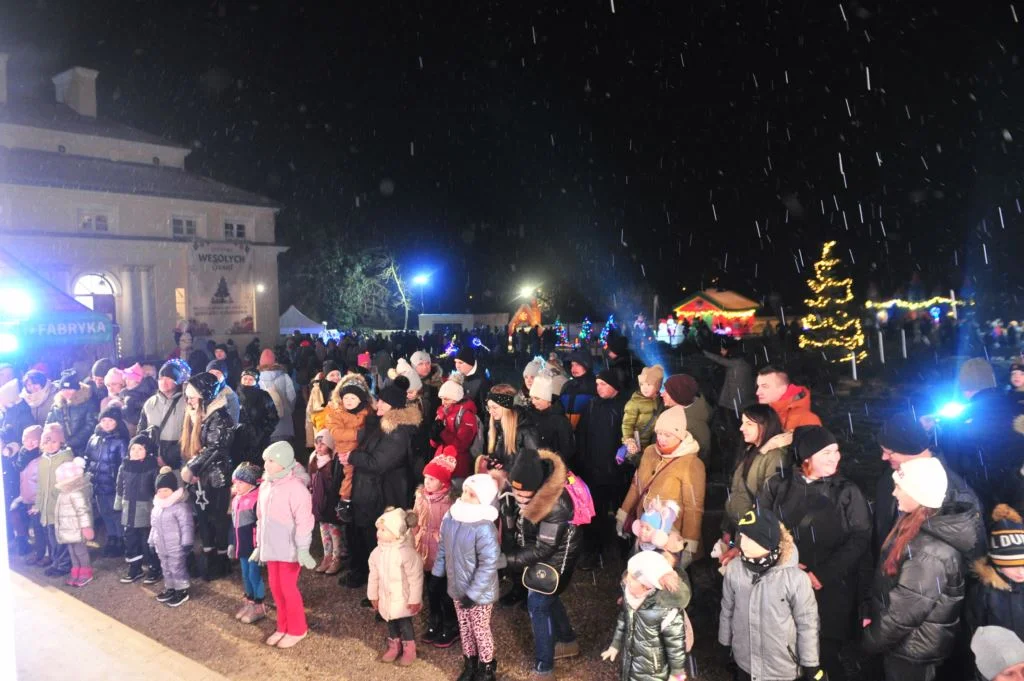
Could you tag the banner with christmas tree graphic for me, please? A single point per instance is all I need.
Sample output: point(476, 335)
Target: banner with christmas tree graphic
point(221, 294)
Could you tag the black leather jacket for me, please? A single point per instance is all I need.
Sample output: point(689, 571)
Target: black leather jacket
point(212, 464)
point(259, 414)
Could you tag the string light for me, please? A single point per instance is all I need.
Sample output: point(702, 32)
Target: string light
point(838, 330)
point(913, 304)
point(724, 314)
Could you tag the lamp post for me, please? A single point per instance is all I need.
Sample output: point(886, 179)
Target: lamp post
point(421, 280)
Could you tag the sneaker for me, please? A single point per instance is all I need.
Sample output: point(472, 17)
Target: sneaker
point(84, 577)
point(447, 638)
point(133, 575)
point(567, 649)
point(179, 597)
point(246, 605)
point(152, 577)
point(287, 641)
point(257, 611)
point(165, 595)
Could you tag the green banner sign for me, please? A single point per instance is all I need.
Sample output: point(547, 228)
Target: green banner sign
point(67, 328)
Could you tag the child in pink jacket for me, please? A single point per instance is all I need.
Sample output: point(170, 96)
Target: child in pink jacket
point(433, 499)
point(395, 586)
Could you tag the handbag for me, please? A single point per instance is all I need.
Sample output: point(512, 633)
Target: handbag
point(541, 577)
point(631, 514)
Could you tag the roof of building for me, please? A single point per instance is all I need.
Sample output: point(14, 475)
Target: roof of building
point(724, 300)
point(65, 171)
point(51, 115)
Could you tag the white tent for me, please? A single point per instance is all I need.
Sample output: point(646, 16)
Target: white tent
point(293, 319)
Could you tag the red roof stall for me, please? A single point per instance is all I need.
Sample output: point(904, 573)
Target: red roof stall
point(726, 312)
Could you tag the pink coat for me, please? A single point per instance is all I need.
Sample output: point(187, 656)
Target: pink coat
point(428, 532)
point(284, 519)
point(29, 484)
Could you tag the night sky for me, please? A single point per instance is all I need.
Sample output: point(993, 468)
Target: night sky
point(601, 149)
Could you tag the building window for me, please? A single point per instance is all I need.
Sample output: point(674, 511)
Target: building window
point(95, 292)
point(92, 221)
point(183, 227)
point(234, 230)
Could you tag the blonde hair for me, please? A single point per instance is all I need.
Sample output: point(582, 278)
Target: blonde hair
point(509, 423)
point(191, 429)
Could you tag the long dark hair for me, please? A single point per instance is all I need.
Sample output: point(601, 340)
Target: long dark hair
point(902, 533)
point(768, 426)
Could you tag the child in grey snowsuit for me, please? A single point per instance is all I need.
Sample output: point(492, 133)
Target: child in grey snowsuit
point(171, 536)
point(133, 497)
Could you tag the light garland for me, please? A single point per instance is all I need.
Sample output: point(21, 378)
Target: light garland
point(840, 331)
point(584, 335)
point(725, 314)
point(913, 304)
point(608, 326)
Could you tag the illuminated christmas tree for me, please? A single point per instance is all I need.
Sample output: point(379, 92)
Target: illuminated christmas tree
point(561, 334)
point(585, 330)
point(608, 326)
point(833, 325)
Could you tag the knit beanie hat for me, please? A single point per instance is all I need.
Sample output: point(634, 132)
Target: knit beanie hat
point(533, 367)
point(218, 365)
point(69, 380)
point(976, 374)
point(176, 370)
point(442, 466)
point(281, 453)
point(113, 411)
point(682, 388)
point(618, 344)
point(403, 368)
point(363, 360)
point(419, 357)
point(582, 358)
point(611, 377)
point(1006, 537)
point(761, 526)
point(248, 473)
point(924, 480)
point(466, 354)
point(9, 392)
point(395, 394)
point(101, 366)
point(558, 382)
point(673, 422)
point(653, 375)
point(324, 435)
point(1016, 366)
point(166, 479)
point(452, 388)
point(528, 471)
point(541, 387)
point(254, 373)
point(483, 486)
point(115, 375)
point(996, 649)
point(53, 431)
point(648, 568)
point(903, 434)
point(267, 358)
point(134, 373)
point(330, 365)
point(144, 440)
point(809, 440)
point(397, 521)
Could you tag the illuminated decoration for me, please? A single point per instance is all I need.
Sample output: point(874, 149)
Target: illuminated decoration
point(450, 350)
point(952, 410)
point(608, 326)
point(914, 304)
point(477, 343)
point(718, 309)
point(586, 329)
point(526, 317)
point(831, 327)
point(561, 334)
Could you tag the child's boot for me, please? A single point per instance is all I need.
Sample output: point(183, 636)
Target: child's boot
point(134, 573)
point(244, 610)
point(390, 653)
point(433, 628)
point(72, 577)
point(469, 668)
point(257, 611)
point(84, 576)
point(179, 597)
point(448, 636)
point(333, 566)
point(408, 653)
point(487, 671)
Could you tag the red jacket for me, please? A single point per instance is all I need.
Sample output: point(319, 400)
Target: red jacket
point(460, 437)
point(794, 408)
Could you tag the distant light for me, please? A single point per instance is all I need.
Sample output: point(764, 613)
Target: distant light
point(952, 410)
point(8, 343)
point(526, 291)
point(16, 303)
point(421, 279)
point(260, 288)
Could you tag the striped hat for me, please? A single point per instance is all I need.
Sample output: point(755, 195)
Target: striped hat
point(1006, 537)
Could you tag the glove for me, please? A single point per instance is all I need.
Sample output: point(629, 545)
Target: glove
point(186, 475)
point(231, 551)
point(436, 429)
point(254, 557)
point(814, 674)
point(620, 522)
point(610, 654)
point(305, 560)
point(502, 561)
point(88, 534)
point(467, 602)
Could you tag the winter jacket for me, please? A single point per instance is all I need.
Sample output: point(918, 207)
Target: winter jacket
point(554, 431)
point(460, 426)
point(598, 437)
point(78, 417)
point(345, 427)
point(243, 522)
point(651, 640)
point(679, 478)
point(284, 519)
point(915, 615)
point(627, 367)
point(27, 464)
point(211, 465)
point(153, 412)
point(427, 533)
point(134, 399)
point(738, 387)
point(543, 531)
point(74, 510)
point(468, 557)
point(381, 466)
point(46, 496)
point(11, 480)
point(770, 621)
point(324, 484)
point(476, 386)
point(831, 525)
point(576, 394)
point(40, 403)
point(171, 524)
point(794, 409)
point(994, 600)
point(316, 415)
point(103, 457)
point(526, 438)
point(698, 423)
point(258, 414)
point(136, 486)
point(276, 379)
point(749, 482)
point(639, 415)
point(232, 403)
point(420, 451)
point(396, 578)
point(13, 422)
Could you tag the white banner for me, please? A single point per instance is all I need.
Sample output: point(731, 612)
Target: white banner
point(221, 293)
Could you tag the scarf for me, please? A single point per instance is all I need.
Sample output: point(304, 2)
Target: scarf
point(761, 565)
point(36, 399)
point(465, 512)
point(278, 475)
point(437, 497)
point(635, 602)
point(322, 460)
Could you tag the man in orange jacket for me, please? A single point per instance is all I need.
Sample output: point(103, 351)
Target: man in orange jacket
point(791, 402)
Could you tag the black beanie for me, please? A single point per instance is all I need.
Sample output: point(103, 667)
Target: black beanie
point(395, 394)
point(904, 435)
point(101, 366)
point(618, 344)
point(466, 354)
point(809, 440)
point(528, 471)
point(167, 478)
point(611, 377)
point(329, 366)
point(760, 526)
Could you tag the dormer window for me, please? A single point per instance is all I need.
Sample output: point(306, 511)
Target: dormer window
point(94, 221)
point(183, 227)
point(234, 230)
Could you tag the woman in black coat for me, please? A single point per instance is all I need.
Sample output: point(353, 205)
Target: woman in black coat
point(258, 414)
point(831, 525)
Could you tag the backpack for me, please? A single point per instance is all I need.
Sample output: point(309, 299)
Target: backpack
point(477, 447)
point(582, 501)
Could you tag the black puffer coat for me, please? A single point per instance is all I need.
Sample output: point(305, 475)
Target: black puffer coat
point(78, 416)
point(915, 614)
point(831, 526)
point(554, 431)
point(543, 531)
point(381, 465)
point(134, 398)
point(211, 466)
point(258, 414)
point(994, 600)
point(598, 437)
point(651, 640)
point(136, 485)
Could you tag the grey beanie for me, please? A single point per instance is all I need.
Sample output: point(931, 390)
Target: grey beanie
point(996, 649)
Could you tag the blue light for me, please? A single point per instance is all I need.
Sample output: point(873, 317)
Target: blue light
point(8, 343)
point(15, 303)
point(421, 279)
point(952, 410)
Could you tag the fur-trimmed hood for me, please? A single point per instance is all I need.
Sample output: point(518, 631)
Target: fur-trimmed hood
point(788, 554)
point(548, 494)
point(218, 402)
point(80, 396)
point(409, 415)
point(989, 576)
point(435, 378)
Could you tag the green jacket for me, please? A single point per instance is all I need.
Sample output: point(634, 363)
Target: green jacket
point(46, 497)
point(651, 640)
point(638, 416)
point(698, 420)
point(743, 492)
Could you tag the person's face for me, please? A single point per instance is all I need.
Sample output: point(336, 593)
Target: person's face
point(1017, 379)
point(648, 390)
point(1014, 673)
point(239, 488)
point(423, 369)
point(49, 444)
point(220, 354)
point(577, 369)
point(333, 376)
point(750, 548)
point(495, 410)
point(895, 459)
point(825, 462)
point(321, 447)
point(646, 534)
point(137, 453)
point(32, 388)
point(770, 388)
point(166, 385)
point(192, 397)
point(903, 500)
point(750, 430)
point(528, 382)
point(522, 497)
point(383, 407)
point(667, 442)
point(108, 424)
point(68, 393)
point(462, 367)
point(635, 587)
point(539, 404)
point(248, 380)
point(271, 467)
point(469, 496)
point(412, 395)
point(30, 442)
point(667, 399)
point(164, 492)
point(1014, 574)
point(350, 401)
point(605, 391)
point(131, 383)
point(115, 386)
point(447, 402)
point(99, 381)
point(431, 484)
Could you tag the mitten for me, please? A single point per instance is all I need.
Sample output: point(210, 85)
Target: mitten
point(620, 522)
point(231, 551)
point(467, 602)
point(88, 534)
point(254, 557)
point(305, 560)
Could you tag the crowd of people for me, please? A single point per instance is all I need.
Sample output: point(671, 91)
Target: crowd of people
point(429, 489)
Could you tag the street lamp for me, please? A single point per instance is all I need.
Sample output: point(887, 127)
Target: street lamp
point(526, 291)
point(421, 280)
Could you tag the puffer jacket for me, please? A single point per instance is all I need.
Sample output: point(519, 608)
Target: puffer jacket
point(468, 555)
point(698, 423)
point(396, 578)
point(324, 483)
point(770, 621)
point(74, 510)
point(103, 457)
point(915, 615)
point(233, 404)
point(211, 465)
point(346, 428)
point(136, 485)
point(284, 518)
point(651, 640)
point(831, 525)
point(427, 533)
point(598, 436)
point(554, 431)
point(794, 409)
point(257, 411)
point(171, 524)
point(27, 464)
point(460, 426)
point(78, 416)
point(638, 416)
point(277, 379)
point(576, 395)
point(243, 521)
point(994, 600)
point(476, 386)
point(46, 495)
point(543, 531)
point(381, 466)
point(747, 485)
point(134, 399)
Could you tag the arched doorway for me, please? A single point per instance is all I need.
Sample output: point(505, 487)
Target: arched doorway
point(96, 292)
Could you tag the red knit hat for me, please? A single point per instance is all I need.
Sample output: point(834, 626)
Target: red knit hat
point(442, 466)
